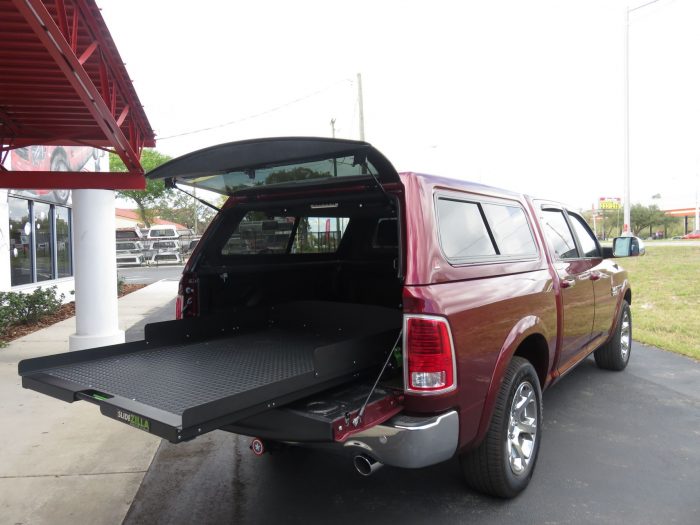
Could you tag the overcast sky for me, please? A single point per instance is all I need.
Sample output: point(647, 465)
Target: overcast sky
point(523, 95)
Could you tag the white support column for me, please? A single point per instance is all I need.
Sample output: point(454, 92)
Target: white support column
point(94, 259)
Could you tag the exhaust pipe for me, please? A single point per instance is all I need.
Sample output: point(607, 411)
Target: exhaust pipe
point(366, 465)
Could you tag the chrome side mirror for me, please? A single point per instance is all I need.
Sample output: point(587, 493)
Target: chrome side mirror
point(628, 247)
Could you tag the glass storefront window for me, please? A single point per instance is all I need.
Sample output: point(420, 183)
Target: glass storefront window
point(20, 242)
point(40, 241)
point(43, 241)
point(64, 264)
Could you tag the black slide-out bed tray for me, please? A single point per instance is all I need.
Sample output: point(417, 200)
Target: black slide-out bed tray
point(193, 376)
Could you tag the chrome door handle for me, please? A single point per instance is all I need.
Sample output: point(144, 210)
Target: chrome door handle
point(569, 282)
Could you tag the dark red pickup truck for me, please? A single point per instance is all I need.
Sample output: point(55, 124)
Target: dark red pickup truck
point(403, 319)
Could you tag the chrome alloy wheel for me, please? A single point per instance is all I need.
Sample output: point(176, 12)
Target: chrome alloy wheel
point(625, 339)
point(522, 428)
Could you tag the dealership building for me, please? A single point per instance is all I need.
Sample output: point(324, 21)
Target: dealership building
point(66, 100)
point(36, 225)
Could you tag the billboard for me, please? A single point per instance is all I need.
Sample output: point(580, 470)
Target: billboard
point(53, 158)
point(609, 203)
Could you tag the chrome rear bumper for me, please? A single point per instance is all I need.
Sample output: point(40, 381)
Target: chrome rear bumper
point(408, 442)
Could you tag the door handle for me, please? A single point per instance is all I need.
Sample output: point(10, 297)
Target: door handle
point(595, 276)
point(569, 282)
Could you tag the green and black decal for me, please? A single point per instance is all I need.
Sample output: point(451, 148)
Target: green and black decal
point(135, 421)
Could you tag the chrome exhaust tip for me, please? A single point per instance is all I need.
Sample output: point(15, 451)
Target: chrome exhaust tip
point(366, 465)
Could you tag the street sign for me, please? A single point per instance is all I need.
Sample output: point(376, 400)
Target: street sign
point(609, 203)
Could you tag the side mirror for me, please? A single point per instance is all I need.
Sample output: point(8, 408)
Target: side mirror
point(628, 247)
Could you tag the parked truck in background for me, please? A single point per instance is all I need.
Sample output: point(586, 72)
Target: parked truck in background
point(402, 319)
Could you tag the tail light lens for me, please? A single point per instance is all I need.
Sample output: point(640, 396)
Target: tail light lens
point(429, 360)
point(187, 303)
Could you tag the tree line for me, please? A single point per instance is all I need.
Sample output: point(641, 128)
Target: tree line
point(172, 205)
point(157, 201)
point(646, 221)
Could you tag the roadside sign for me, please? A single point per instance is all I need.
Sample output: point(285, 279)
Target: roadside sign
point(609, 203)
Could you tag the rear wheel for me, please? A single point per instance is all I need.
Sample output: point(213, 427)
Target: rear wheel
point(503, 464)
point(615, 354)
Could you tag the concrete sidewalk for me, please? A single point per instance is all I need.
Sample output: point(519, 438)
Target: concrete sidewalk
point(66, 463)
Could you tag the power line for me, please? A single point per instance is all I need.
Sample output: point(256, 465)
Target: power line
point(260, 114)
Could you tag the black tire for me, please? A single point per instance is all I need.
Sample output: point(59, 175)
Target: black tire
point(488, 468)
point(615, 354)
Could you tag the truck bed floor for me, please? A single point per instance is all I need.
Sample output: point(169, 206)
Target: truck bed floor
point(175, 378)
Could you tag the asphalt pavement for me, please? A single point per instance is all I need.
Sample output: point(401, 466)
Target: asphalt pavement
point(150, 274)
point(617, 448)
point(63, 463)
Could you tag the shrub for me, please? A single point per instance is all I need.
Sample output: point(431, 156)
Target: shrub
point(23, 308)
point(121, 281)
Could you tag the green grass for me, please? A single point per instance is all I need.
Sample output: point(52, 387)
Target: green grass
point(666, 297)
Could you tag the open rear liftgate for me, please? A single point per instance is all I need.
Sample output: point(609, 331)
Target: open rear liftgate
point(268, 358)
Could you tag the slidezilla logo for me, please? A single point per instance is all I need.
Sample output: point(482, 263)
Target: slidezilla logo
point(134, 420)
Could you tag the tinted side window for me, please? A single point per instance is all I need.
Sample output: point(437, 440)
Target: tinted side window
point(259, 234)
point(558, 234)
point(463, 233)
point(588, 244)
point(510, 229)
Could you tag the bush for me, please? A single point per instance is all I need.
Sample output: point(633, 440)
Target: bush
point(22, 308)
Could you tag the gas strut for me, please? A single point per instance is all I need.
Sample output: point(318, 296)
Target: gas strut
point(358, 418)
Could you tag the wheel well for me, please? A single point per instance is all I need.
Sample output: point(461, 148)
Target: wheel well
point(534, 348)
point(628, 296)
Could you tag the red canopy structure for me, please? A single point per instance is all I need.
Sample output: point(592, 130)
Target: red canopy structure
point(62, 82)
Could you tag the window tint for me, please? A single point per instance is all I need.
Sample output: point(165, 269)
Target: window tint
point(386, 234)
point(124, 234)
point(20, 242)
point(588, 244)
point(258, 233)
point(559, 235)
point(63, 240)
point(510, 229)
point(43, 241)
point(463, 233)
point(162, 233)
point(319, 234)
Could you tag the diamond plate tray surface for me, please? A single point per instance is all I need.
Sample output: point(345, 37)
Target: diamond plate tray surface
point(179, 377)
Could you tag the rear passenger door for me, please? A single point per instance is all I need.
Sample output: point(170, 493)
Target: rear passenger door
point(601, 275)
point(577, 295)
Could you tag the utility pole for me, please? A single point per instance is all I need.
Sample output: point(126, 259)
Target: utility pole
point(361, 107)
point(627, 227)
point(335, 174)
point(626, 192)
point(335, 161)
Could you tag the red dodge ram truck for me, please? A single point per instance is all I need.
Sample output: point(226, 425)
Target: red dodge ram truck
point(400, 318)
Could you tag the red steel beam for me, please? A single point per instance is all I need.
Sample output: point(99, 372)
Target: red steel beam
point(87, 53)
point(43, 25)
point(71, 180)
point(124, 83)
point(72, 138)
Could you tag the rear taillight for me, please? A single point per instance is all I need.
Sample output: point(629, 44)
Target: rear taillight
point(187, 303)
point(429, 361)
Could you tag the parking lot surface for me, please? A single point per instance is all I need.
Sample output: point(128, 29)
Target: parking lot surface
point(150, 274)
point(617, 448)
